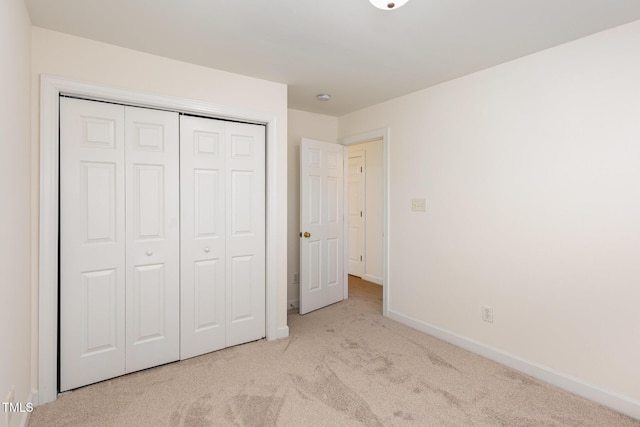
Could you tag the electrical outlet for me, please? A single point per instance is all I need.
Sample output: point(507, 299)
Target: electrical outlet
point(9, 399)
point(296, 278)
point(487, 314)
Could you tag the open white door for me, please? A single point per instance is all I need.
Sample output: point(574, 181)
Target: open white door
point(321, 224)
point(356, 213)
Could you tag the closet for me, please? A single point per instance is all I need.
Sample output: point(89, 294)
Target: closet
point(162, 238)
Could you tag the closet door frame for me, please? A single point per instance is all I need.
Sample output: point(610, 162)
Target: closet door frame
point(50, 90)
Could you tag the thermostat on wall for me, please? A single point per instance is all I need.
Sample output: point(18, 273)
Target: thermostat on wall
point(419, 205)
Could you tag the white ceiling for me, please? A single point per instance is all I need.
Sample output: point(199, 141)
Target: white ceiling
point(359, 54)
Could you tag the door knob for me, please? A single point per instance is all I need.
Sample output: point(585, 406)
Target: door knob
point(307, 234)
point(149, 253)
point(207, 249)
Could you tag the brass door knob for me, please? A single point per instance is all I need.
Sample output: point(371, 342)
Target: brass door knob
point(307, 234)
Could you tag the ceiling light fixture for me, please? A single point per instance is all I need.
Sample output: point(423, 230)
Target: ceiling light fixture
point(388, 4)
point(323, 97)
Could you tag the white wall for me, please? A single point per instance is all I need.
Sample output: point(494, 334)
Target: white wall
point(15, 208)
point(374, 209)
point(85, 60)
point(531, 171)
point(307, 125)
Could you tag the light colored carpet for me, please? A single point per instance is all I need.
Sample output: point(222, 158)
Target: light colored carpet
point(343, 365)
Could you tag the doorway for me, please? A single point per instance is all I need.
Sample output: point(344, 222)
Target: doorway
point(382, 136)
point(366, 210)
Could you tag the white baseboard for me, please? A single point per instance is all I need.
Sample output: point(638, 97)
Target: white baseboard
point(373, 279)
point(283, 332)
point(293, 303)
point(574, 385)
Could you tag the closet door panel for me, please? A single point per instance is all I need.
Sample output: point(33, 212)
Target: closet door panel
point(149, 305)
point(153, 238)
point(208, 281)
point(203, 225)
point(92, 242)
point(245, 208)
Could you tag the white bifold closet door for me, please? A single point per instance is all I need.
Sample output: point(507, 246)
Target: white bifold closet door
point(222, 185)
point(119, 240)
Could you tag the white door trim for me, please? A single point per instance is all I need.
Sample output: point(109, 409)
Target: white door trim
point(385, 135)
point(50, 90)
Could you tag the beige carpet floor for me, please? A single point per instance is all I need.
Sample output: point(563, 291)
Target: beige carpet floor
point(343, 365)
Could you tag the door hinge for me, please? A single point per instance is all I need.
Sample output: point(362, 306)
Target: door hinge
point(360, 169)
point(360, 214)
point(360, 257)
